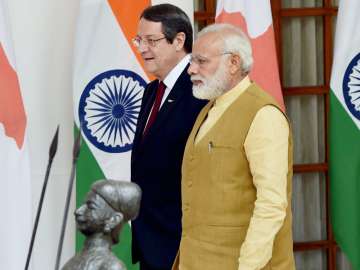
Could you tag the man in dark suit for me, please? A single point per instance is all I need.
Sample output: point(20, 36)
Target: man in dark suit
point(168, 111)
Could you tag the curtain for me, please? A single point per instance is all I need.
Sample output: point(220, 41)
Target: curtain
point(302, 48)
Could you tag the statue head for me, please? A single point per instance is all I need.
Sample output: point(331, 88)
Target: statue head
point(108, 205)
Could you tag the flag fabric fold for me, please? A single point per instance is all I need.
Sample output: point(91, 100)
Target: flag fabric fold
point(108, 83)
point(15, 199)
point(255, 19)
point(344, 130)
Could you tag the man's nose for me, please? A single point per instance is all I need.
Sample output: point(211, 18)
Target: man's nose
point(193, 69)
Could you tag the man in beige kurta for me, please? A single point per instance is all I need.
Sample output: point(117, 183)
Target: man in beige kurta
point(237, 165)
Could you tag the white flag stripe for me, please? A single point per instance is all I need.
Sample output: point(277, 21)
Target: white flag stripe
point(15, 199)
point(258, 19)
point(108, 50)
point(5, 39)
point(347, 46)
point(15, 203)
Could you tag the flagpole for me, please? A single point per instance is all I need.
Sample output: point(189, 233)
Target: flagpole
point(76, 151)
point(52, 152)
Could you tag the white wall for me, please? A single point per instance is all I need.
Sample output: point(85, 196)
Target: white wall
point(43, 34)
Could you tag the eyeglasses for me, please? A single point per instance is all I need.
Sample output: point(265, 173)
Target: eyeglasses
point(202, 60)
point(146, 41)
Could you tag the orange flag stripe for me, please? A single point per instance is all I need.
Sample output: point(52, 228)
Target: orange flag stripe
point(12, 112)
point(127, 13)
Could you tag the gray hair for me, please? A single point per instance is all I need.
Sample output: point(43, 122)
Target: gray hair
point(234, 41)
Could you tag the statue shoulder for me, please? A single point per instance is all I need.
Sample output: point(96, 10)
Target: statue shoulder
point(113, 263)
point(73, 263)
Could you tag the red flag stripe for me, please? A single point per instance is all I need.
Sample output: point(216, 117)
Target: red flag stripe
point(12, 112)
point(265, 71)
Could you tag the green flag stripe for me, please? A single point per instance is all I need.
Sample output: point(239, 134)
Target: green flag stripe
point(345, 180)
point(88, 171)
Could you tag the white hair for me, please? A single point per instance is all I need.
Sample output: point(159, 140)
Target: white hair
point(234, 41)
point(213, 86)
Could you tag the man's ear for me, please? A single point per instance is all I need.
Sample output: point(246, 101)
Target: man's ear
point(114, 220)
point(235, 63)
point(179, 41)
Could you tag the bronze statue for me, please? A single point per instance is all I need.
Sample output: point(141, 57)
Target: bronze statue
point(108, 205)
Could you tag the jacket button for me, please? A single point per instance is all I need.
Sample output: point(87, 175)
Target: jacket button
point(189, 183)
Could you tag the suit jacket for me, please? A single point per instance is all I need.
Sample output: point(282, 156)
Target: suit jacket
point(156, 167)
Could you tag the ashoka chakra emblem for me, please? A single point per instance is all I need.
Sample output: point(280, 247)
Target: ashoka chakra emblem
point(109, 108)
point(351, 87)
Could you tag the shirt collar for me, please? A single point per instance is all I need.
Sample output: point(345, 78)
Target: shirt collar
point(175, 73)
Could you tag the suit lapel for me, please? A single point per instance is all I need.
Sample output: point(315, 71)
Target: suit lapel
point(172, 99)
point(182, 85)
point(148, 100)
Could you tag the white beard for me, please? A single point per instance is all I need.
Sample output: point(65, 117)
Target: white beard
point(213, 87)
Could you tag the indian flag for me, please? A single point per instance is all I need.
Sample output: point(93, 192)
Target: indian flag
point(345, 132)
point(255, 19)
point(108, 83)
point(15, 199)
